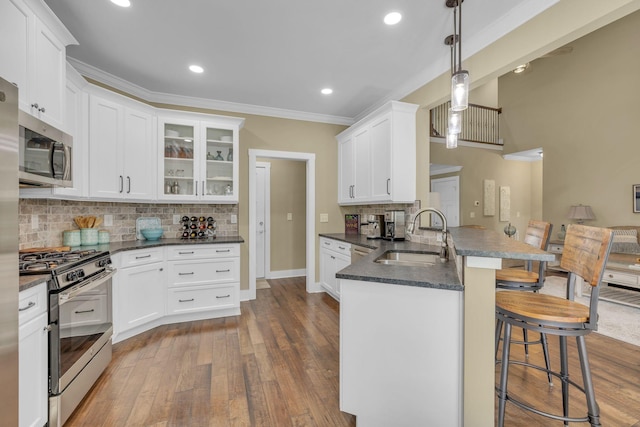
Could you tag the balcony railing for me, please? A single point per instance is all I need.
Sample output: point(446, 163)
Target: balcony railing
point(479, 123)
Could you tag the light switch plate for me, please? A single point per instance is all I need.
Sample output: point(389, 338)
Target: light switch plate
point(289, 216)
point(324, 217)
point(35, 223)
point(234, 219)
point(108, 220)
point(472, 215)
point(176, 219)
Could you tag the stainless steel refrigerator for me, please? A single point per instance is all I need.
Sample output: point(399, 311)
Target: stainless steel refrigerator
point(8, 254)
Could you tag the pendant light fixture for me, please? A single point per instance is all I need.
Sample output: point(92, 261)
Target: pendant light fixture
point(459, 77)
point(452, 140)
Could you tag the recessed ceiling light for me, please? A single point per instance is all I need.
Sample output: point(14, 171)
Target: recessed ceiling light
point(121, 3)
point(196, 68)
point(520, 68)
point(392, 18)
point(327, 91)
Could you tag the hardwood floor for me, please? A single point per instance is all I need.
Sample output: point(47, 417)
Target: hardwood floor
point(277, 365)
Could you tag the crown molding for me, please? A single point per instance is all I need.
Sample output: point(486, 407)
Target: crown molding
point(188, 101)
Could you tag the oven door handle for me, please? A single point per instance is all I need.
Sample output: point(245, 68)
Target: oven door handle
point(94, 282)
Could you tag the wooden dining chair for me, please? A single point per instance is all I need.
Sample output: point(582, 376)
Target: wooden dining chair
point(538, 234)
point(585, 254)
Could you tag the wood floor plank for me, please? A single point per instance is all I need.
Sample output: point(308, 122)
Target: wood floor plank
point(277, 364)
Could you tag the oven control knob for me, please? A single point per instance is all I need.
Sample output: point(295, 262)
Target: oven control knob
point(103, 263)
point(80, 273)
point(71, 276)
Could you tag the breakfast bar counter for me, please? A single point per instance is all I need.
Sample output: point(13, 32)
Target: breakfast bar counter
point(417, 343)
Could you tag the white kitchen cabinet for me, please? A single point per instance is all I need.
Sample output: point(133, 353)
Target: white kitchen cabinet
point(377, 157)
point(138, 289)
point(203, 278)
point(33, 51)
point(76, 121)
point(334, 256)
point(122, 148)
point(198, 159)
point(33, 357)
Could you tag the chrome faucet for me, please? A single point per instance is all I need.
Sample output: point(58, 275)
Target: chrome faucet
point(444, 249)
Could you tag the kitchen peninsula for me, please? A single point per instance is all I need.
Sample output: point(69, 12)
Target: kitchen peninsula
point(417, 343)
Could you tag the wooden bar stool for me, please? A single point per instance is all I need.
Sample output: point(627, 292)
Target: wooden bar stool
point(585, 254)
point(538, 234)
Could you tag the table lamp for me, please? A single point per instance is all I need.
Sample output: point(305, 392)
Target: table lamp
point(581, 213)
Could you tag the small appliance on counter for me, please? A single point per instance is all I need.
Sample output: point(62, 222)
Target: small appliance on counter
point(394, 225)
point(376, 227)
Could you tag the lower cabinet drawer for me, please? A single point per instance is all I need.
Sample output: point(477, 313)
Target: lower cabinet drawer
point(611, 276)
point(203, 271)
point(32, 302)
point(202, 298)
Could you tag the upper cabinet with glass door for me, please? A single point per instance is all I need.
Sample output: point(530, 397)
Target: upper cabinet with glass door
point(198, 162)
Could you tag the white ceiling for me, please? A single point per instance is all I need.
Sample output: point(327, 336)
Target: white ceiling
point(273, 57)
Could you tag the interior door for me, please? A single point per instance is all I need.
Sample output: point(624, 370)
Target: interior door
point(262, 197)
point(449, 189)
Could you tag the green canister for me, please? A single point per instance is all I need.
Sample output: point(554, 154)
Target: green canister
point(88, 236)
point(103, 236)
point(71, 238)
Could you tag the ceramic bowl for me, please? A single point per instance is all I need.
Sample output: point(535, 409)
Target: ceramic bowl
point(151, 233)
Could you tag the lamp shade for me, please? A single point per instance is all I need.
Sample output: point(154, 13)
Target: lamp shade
point(581, 213)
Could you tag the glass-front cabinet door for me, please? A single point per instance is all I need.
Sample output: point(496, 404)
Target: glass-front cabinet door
point(220, 165)
point(178, 167)
point(199, 161)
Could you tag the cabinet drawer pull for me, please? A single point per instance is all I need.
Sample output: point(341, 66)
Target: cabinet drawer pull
point(84, 311)
point(185, 253)
point(186, 300)
point(341, 247)
point(388, 182)
point(144, 256)
point(611, 276)
point(223, 250)
point(327, 243)
point(223, 271)
point(128, 184)
point(30, 305)
point(186, 274)
point(121, 184)
point(223, 296)
point(332, 257)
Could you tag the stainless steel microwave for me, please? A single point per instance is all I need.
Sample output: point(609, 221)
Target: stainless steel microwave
point(45, 154)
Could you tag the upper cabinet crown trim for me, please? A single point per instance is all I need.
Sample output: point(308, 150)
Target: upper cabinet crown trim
point(46, 15)
point(388, 107)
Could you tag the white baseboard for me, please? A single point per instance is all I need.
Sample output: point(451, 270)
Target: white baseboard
point(282, 274)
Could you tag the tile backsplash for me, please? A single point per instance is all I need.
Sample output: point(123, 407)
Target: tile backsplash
point(55, 216)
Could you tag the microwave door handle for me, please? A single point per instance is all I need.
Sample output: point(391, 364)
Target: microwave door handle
point(52, 150)
point(67, 163)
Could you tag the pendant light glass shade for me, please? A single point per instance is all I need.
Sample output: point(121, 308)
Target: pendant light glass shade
point(452, 140)
point(455, 119)
point(460, 90)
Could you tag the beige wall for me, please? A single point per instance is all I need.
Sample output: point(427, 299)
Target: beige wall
point(288, 195)
point(562, 23)
point(480, 164)
point(582, 108)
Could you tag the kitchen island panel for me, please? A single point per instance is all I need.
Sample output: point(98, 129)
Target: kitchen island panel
point(400, 354)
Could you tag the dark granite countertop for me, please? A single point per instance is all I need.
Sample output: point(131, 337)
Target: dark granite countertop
point(467, 242)
point(116, 247)
point(31, 280)
point(439, 275)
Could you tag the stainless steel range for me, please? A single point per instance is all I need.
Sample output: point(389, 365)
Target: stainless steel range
point(80, 323)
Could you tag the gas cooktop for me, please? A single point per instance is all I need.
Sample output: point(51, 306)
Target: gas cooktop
point(48, 262)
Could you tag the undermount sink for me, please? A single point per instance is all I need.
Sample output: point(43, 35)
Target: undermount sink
point(411, 259)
